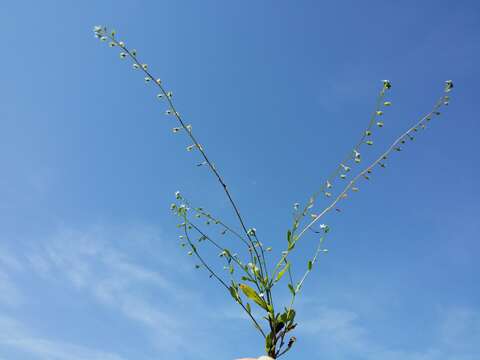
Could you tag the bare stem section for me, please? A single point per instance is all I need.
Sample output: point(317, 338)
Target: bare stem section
point(200, 226)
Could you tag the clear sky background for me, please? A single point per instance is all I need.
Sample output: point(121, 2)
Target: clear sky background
point(278, 92)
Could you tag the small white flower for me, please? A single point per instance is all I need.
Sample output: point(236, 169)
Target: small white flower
point(356, 153)
point(178, 196)
point(325, 228)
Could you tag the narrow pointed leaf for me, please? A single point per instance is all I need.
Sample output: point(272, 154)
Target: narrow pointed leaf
point(282, 272)
point(252, 294)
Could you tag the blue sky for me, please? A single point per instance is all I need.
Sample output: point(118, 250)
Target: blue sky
point(278, 92)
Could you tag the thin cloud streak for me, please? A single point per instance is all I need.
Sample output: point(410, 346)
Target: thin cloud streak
point(14, 335)
point(341, 337)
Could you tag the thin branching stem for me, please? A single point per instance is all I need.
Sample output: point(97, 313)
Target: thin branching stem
point(283, 322)
point(348, 157)
point(216, 220)
point(209, 269)
point(218, 246)
point(368, 169)
point(382, 157)
point(198, 146)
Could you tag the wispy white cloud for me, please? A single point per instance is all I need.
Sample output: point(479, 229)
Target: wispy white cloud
point(90, 262)
point(105, 264)
point(9, 261)
point(9, 294)
point(112, 269)
point(14, 335)
point(340, 335)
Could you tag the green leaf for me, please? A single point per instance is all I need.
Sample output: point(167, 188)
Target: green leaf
point(233, 292)
point(268, 343)
point(282, 272)
point(292, 290)
point(310, 264)
point(252, 294)
point(249, 308)
point(244, 278)
point(289, 236)
point(270, 310)
point(291, 315)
